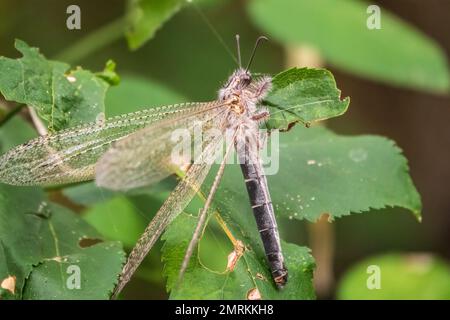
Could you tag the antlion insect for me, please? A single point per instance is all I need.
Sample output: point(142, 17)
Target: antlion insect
point(134, 150)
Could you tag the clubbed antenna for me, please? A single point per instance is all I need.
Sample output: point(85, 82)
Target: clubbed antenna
point(254, 50)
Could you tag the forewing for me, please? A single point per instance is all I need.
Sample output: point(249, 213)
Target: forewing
point(70, 155)
point(172, 207)
point(148, 155)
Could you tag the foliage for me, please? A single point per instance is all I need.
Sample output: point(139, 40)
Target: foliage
point(320, 172)
point(61, 96)
point(250, 272)
point(402, 276)
point(40, 241)
point(397, 53)
point(145, 17)
point(304, 95)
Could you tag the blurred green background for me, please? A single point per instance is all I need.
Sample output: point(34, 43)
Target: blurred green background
point(186, 61)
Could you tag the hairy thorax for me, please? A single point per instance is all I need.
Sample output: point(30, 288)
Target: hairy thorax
point(242, 94)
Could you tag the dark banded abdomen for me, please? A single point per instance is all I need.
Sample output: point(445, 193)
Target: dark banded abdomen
point(261, 203)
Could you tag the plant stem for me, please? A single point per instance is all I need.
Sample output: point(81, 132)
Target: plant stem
point(93, 41)
point(321, 233)
point(322, 242)
point(11, 113)
point(38, 124)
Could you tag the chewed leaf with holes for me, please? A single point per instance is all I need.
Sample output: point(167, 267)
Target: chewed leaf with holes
point(62, 97)
point(303, 95)
point(50, 252)
point(314, 171)
point(250, 279)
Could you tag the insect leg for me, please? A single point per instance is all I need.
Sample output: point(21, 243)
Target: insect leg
point(203, 214)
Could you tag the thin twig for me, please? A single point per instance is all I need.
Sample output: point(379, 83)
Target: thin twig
point(203, 213)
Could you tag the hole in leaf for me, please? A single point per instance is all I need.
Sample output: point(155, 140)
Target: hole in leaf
point(88, 242)
point(9, 284)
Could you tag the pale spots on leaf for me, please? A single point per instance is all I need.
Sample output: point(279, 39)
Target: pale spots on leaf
point(314, 162)
point(57, 259)
point(71, 78)
point(358, 155)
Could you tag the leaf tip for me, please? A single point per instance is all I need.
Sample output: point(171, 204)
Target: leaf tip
point(109, 73)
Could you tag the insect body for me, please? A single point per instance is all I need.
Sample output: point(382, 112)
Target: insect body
point(245, 96)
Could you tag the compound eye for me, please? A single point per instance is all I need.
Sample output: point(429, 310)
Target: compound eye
point(246, 79)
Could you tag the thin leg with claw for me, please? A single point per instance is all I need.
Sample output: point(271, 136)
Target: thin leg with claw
point(175, 204)
point(203, 214)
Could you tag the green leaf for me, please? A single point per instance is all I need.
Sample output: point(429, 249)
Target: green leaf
point(397, 53)
point(45, 240)
point(109, 74)
point(318, 172)
point(117, 219)
point(63, 97)
point(402, 276)
point(251, 271)
point(99, 267)
point(145, 17)
point(322, 172)
point(305, 95)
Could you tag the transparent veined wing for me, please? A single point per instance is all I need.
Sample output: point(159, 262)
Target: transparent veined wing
point(70, 155)
point(146, 156)
point(173, 206)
